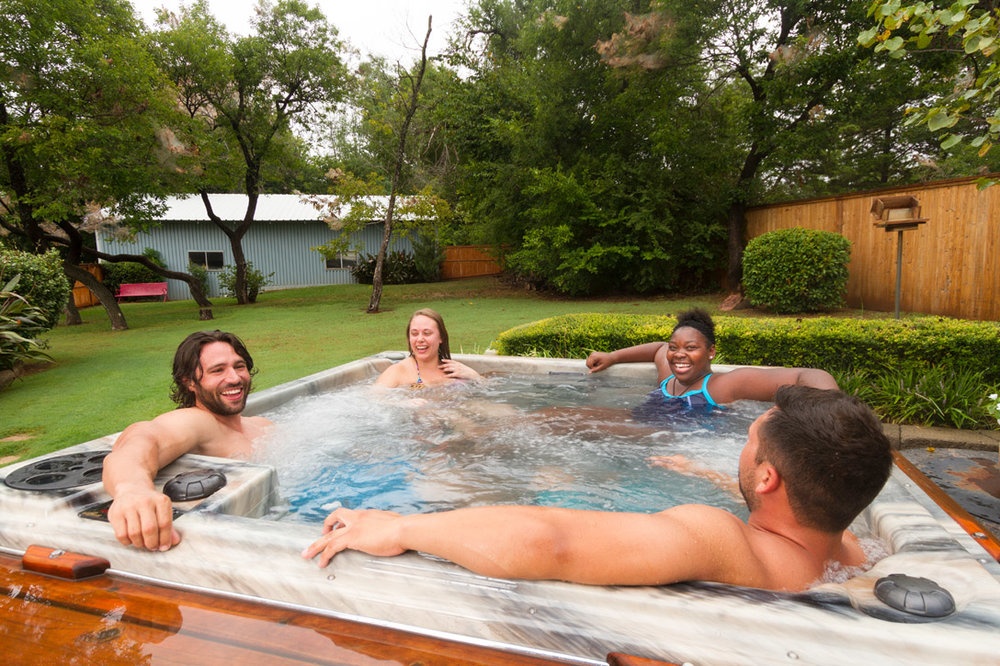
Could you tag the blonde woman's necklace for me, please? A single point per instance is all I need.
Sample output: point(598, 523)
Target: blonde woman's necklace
point(419, 384)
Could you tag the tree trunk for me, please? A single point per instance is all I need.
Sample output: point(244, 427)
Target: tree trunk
point(73, 317)
point(376, 297)
point(240, 260)
point(235, 237)
point(736, 224)
point(400, 157)
point(197, 293)
point(103, 294)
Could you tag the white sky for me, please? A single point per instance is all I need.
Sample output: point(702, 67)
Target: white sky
point(393, 29)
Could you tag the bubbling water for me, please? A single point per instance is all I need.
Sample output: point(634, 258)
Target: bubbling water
point(560, 440)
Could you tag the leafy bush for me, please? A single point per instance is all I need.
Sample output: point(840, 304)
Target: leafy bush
point(583, 231)
point(256, 281)
point(398, 268)
point(42, 282)
point(920, 370)
point(20, 324)
point(796, 270)
point(428, 255)
point(922, 394)
point(200, 273)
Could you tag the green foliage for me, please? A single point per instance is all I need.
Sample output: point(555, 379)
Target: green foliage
point(600, 178)
point(797, 270)
point(242, 94)
point(992, 406)
point(128, 272)
point(256, 281)
point(200, 273)
point(574, 247)
point(42, 282)
point(968, 27)
point(922, 370)
point(576, 335)
point(20, 325)
point(79, 128)
point(428, 255)
point(923, 393)
point(398, 268)
point(356, 206)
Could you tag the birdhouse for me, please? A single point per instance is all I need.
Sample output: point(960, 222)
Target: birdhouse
point(900, 213)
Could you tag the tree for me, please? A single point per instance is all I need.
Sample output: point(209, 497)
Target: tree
point(410, 104)
point(598, 177)
point(244, 95)
point(790, 59)
point(966, 27)
point(811, 112)
point(79, 128)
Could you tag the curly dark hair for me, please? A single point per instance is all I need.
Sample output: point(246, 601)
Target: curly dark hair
point(700, 321)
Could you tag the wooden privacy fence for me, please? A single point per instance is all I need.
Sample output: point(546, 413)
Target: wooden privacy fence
point(464, 261)
point(950, 264)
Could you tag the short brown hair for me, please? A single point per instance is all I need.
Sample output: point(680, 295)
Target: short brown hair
point(831, 452)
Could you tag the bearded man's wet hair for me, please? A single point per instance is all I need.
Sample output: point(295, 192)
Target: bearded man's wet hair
point(187, 362)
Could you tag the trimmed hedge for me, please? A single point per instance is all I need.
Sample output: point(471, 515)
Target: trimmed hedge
point(834, 344)
point(797, 270)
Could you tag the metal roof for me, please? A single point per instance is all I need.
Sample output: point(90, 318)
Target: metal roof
point(232, 208)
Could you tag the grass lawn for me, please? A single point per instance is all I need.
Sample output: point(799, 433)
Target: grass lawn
point(103, 380)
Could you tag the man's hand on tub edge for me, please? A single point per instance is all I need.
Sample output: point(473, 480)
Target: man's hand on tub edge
point(370, 531)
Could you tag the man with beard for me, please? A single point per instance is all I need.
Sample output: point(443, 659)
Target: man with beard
point(809, 467)
point(211, 381)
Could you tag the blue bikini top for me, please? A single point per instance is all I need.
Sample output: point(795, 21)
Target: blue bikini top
point(695, 398)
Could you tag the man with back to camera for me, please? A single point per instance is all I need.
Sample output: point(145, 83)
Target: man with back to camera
point(212, 373)
point(811, 464)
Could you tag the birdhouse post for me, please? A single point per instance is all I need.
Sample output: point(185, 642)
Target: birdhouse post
point(899, 214)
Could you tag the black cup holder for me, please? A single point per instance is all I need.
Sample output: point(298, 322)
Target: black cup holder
point(59, 472)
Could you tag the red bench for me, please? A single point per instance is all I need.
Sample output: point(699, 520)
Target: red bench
point(142, 289)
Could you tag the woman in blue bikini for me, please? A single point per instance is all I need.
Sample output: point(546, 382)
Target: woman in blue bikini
point(684, 365)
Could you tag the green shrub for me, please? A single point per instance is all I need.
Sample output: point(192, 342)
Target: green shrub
point(796, 270)
point(923, 394)
point(256, 281)
point(20, 324)
point(398, 268)
point(428, 255)
point(42, 282)
point(920, 370)
point(200, 273)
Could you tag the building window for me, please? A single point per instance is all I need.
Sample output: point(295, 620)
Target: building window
point(343, 260)
point(208, 260)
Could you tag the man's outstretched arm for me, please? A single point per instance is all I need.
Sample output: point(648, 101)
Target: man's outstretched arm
point(141, 515)
point(548, 543)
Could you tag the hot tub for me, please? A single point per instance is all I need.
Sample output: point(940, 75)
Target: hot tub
point(229, 547)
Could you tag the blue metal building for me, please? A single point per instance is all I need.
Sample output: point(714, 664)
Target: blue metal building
point(280, 241)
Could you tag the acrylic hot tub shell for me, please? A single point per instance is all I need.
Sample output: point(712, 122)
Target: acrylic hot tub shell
point(227, 549)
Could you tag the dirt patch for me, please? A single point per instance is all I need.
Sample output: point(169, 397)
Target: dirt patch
point(19, 437)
